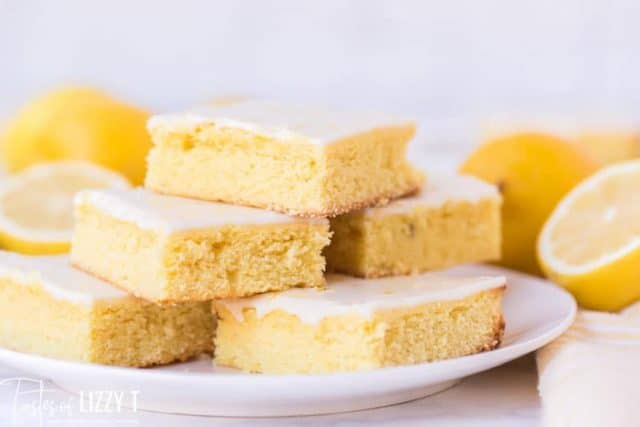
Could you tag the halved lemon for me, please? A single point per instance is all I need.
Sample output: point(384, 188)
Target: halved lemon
point(591, 242)
point(36, 205)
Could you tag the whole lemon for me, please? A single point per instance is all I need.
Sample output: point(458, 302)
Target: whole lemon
point(78, 123)
point(610, 146)
point(533, 171)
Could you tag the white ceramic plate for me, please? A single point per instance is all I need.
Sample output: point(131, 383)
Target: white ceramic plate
point(535, 311)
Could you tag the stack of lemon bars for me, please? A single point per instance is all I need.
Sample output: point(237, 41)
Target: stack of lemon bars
point(224, 251)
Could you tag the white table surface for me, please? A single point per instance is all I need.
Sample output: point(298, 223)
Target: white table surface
point(505, 396)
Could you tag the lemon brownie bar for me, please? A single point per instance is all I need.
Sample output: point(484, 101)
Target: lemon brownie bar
point(300, 160)
point(49, 308)
point(454, 220)
point(357, 324)
point(168, 249)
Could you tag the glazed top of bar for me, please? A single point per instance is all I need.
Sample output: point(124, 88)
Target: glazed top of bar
point(282, 121)
point(154, 211)
point(440, 189)
point(57, 277)
point(349, 295)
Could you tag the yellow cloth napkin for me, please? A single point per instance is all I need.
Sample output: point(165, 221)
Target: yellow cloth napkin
point(590, 376)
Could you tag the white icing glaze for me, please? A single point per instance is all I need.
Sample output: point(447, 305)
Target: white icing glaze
point(154, 211)
point(283, 122)
point(441, 188)
point(350, 295)
point(57, 277)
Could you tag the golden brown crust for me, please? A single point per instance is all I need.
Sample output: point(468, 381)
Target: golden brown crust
point(379, 200)
point(170, 360)
point(161, 362)
point(497, 337)
point(498, 332)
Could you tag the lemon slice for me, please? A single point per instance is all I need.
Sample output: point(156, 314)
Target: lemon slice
point(591, 242)
point(36, 205)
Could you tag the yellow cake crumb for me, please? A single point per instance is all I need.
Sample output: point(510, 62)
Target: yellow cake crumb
point(169, 249)
point(454, 220)
point(319, 163)
point(72, 315)
point(281, 334)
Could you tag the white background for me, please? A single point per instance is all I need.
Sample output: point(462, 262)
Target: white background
point(446, 60)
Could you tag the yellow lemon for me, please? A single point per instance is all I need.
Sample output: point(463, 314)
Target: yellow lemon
point(610, 146)
point(36, 205)
point(591, 242)
point(78, 124)
point(533, 172)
